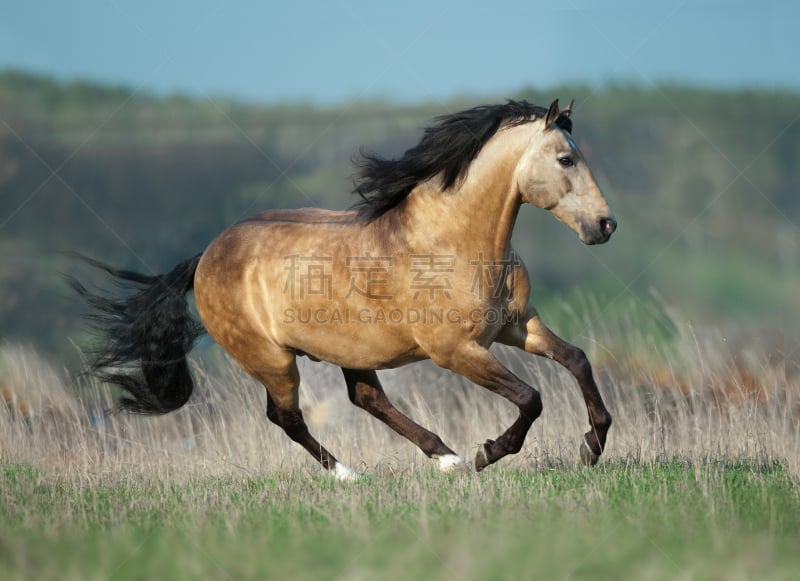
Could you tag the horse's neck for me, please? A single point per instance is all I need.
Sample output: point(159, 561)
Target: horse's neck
point(478, 215)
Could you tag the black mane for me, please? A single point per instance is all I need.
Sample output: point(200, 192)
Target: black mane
point(447, 147)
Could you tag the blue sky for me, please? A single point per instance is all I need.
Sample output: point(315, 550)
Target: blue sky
point(327, 52)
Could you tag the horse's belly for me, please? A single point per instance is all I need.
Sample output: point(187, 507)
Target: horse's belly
point(354, 345)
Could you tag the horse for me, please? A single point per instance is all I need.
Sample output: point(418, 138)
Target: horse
point(420, 267)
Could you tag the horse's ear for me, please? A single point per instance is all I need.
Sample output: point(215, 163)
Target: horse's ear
point(552, 115)
point(567, 111)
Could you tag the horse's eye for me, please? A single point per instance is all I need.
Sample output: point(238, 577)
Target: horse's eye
point(566, 161)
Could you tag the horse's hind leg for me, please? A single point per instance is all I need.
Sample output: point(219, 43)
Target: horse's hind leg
point(366, 392)
point(283, 409)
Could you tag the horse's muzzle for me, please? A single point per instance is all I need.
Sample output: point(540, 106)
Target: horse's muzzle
point(603, 231)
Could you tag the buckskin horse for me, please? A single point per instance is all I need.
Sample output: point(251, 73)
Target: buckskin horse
point(421, 267)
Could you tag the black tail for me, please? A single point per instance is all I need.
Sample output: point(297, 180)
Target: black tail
point(146, 336)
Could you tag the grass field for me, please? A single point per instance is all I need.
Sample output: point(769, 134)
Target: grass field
point(700, 478)
point(623, 520)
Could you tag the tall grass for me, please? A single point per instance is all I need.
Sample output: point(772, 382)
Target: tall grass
point(699, 478)
point(689, 398)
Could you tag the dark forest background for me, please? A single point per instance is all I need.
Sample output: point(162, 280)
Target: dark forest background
point(704, 185)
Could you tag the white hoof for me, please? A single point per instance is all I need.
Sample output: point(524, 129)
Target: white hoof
point(451, 463)
point(345, 473)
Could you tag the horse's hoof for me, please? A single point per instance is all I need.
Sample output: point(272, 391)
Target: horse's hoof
point(482, 457)
point(344, 473)
point(588, 457)
point(452, 464)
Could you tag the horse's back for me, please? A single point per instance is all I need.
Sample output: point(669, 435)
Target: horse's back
point(272, 233)
point(304, 216)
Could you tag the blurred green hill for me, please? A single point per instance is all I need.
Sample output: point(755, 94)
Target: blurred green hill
point(704, 185)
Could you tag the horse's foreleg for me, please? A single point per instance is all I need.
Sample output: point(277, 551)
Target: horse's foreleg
point(366, 392)
point(540, 340)
point(479, 366)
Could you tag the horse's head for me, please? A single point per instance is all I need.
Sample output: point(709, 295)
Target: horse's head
point(552, 174)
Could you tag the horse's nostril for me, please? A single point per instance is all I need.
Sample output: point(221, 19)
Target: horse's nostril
point(608, 225)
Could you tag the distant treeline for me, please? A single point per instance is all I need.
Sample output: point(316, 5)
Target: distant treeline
point(704, 183)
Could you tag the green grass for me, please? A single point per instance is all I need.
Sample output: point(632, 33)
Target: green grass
point(663, 520)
